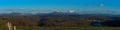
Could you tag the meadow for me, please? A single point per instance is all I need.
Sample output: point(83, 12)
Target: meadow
point(61, 28)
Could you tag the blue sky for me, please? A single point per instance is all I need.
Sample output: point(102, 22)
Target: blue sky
point(81, 6)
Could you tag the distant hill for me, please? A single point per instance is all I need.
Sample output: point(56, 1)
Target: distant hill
point(56, 19)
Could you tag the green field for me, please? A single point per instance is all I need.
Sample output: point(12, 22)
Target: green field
point(63, 28)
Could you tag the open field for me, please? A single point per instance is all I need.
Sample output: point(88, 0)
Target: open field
point(63, 28)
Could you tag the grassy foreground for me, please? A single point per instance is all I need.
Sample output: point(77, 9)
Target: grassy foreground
point(63, 28)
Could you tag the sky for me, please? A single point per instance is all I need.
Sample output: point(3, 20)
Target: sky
point(80, 6)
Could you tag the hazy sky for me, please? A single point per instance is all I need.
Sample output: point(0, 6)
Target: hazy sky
point(81, 6)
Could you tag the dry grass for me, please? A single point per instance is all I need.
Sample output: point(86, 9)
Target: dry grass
point(62, 28)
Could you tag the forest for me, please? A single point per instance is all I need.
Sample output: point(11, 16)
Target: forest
point(59, 20)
